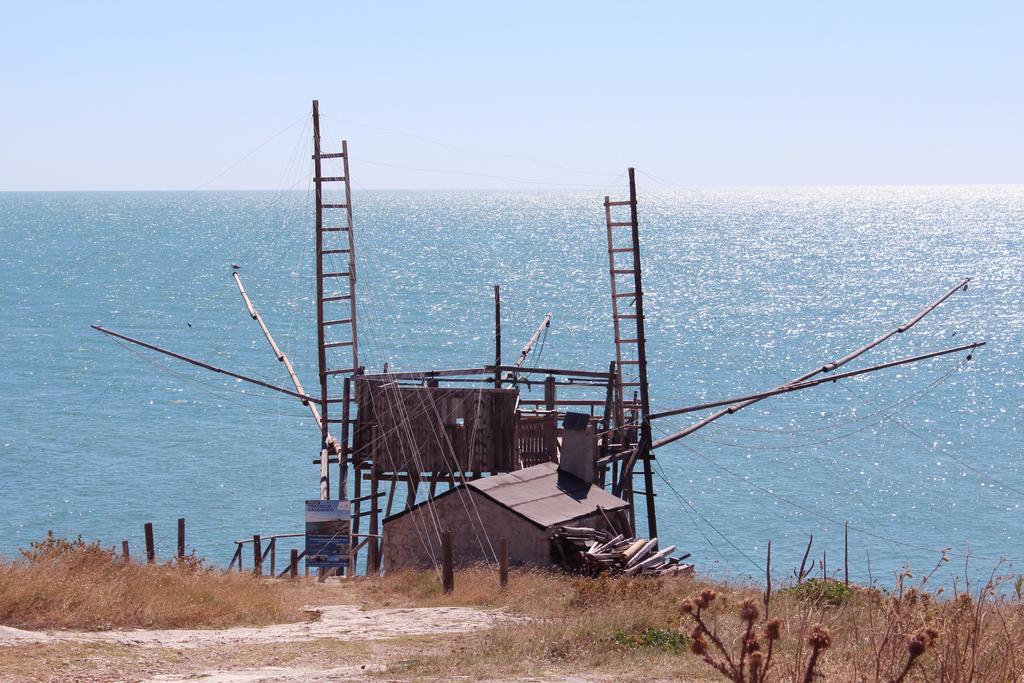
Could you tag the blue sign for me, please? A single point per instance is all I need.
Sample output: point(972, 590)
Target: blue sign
point(328, 533)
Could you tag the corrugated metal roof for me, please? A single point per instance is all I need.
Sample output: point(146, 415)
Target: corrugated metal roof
point(544, 495)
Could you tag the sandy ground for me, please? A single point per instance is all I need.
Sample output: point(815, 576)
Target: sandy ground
point(149, 655)
point(343, 622)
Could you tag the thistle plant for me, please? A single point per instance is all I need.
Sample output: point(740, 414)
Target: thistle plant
point(753, 661)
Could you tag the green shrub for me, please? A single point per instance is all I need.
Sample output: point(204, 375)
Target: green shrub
point(821, 590)
point(656, 638)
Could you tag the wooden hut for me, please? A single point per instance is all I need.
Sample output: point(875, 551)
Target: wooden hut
point(523, 506)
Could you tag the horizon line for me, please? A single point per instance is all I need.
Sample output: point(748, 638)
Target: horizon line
point(567, 188)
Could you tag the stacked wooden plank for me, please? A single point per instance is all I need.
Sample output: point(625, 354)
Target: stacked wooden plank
point(583, 550)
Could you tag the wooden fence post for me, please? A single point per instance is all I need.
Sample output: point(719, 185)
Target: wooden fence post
point(150, 550)
point(846, 553)
point(447, 568)
point(293, 567)
point(503, 562)
point(181, 538)
point(372, 554)
point(124, 550)
point(257, 555)
point(273, 555)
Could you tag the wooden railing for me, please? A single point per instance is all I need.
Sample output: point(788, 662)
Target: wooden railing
point(260, 554)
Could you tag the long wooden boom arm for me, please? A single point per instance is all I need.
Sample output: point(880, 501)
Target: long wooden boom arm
point(737, 403)
point(700, 424)
point(276, 349)
point(206, 366)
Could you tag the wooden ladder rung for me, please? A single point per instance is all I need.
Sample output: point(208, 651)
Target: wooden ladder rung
point(624, 202)
point(334, 229)
point(330, 155)
point(338, 371)
point(623, 271)
point(334, 345)
point(334, 206)
point(628, 341)
point(629, 362)
point(619, 295)
point(627, 316)
point(340, 297)
point(335, 251)
point(630, 384)
point(342, 321)
point(343, 274)
point(620, 224)
point(619, 250)
point(330, 178)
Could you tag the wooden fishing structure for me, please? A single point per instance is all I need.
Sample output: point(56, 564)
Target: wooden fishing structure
point(441, 429)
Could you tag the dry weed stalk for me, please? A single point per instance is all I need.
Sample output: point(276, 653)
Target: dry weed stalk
point(751, 664)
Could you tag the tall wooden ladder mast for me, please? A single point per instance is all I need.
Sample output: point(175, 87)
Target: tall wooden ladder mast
point(631, 387)
point(337, 342)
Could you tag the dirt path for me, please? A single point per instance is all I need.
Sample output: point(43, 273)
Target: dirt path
point(340, 622)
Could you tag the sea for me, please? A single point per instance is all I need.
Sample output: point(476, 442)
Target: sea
point(745, 290)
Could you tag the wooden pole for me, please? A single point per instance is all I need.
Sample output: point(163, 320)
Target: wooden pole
point(846, 553)
point(124, 550)
point(447, 566)
point(181, 537)
point(606, 420)
point(293, 565)
point(374, 547)
point(255, 315)
point(201, 364)
point(497, 336)
point(768, 580)
point(273, 556)
point(257, 555)
point(150, 549)
point(351, 254)
point(645, 404)
point(346, 398)
point(736, 403)
point(803, 562)
point(627, 529)
point(503, 562)
point(545, 323)
point(549, 392)
point(320, 348)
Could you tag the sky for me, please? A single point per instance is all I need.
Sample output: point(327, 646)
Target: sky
point(216, 95)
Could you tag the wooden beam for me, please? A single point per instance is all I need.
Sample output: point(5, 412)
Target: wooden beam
point(255, 315)
point(205, 366)
point(827, 367)
point(544, 324)
point(427, 374)
point(320, 348)
point(744, 401)
point(497, 334)
point(548, 371)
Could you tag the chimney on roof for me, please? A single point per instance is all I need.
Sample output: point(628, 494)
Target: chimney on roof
point(579, 446)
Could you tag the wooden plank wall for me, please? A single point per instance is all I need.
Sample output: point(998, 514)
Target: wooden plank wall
point(437, 429)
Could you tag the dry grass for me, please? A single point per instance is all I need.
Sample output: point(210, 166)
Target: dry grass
point(605, 625)
point(61, 584)
point(614, 628)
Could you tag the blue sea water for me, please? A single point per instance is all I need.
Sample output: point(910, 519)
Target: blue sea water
point(747, 288)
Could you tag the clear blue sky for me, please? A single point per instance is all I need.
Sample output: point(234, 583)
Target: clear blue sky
point(146, 95)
